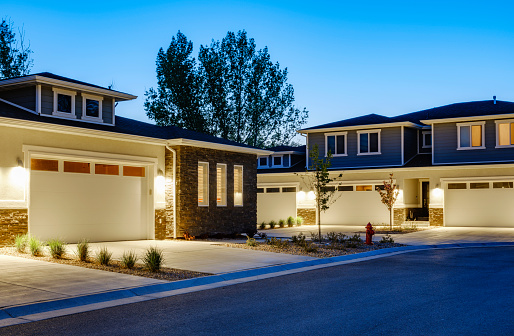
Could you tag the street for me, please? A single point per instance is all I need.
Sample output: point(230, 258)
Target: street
point(437, 292)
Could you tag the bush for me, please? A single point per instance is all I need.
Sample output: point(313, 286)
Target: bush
point(290, 221)
point(272, 224)
point(299, 221)
point(262, 226)
point(299, 240)
point(20, 242)
point(251, 242)
point(128, 259)
point(35, 246)
point(310, 247)
point(356, 238)
point(316, 237)
point(83, 250)
point(103, 256)
point(387, 239)
point(57, 248)
point(276, 242)
point(153, 259)
point(282, 223)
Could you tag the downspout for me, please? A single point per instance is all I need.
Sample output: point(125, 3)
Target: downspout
point(174, 190)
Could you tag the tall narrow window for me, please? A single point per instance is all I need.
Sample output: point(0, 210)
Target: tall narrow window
point(335, 143)
point(471, 135)
point(369, 142)
point(221, 184)
point(238, 185)
point(203, 184)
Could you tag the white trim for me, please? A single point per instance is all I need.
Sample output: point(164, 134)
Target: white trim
point(91, 97)
point(335, 135)
point(212, 145)
point(113, 119)
point(242, 186)
point(273, 165)
point(478, 179)
point(306, 151)
point(223, 197)
point(469, 124)
point(38, 99)
point(259, 161)
point(278, 184)
point(497, 123)
point(423, 133)
point(360, 127)
point(18, 106)
point(369, 146)
point(206, 201)
point(433, 145)
point(56, 112)
point(468, 119)
point(402, 142)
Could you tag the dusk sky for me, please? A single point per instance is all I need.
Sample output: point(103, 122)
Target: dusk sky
point(345, 58)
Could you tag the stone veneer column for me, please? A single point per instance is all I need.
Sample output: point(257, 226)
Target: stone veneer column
point(308, 215)
point(13, 222)
point(160, 224)
point(399, 216)
point(166, 227)
point(436, 216)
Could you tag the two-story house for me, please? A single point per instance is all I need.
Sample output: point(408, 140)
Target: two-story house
point(71, 168)
point(453, 165)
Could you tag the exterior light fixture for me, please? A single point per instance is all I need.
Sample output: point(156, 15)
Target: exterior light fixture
point(160, 173)
point(20, 163)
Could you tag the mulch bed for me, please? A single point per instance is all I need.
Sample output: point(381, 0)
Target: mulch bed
point(169, 274)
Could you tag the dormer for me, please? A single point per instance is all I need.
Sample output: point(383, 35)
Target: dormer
point(55, 96)
point(282, 157)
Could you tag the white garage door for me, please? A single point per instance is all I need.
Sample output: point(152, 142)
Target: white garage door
point(479, 204)
point(276, 203)
point(356, 205)
point(73, 200)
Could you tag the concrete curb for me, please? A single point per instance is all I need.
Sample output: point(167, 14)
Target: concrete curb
point(44, 310)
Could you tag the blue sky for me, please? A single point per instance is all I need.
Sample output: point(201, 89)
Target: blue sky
point(345, 58)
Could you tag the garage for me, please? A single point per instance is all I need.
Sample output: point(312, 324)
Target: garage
point(479, 203)
point(356, 205)
point(276, 202)
point(74, 199)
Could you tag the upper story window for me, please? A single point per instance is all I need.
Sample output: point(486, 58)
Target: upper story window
point(277, 160)
point(368, 142)
point(91, 107)
point(427, 139)
point(263, 161)
point(64, 103)
point(505, 133)
point(471, 135)
point(335, 143)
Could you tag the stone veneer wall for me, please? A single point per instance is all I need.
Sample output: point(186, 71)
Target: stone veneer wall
point(308, 215)
point(399, 216)
point(160, 224)
point(436, 216)
point(212, 219)
point(13, 222)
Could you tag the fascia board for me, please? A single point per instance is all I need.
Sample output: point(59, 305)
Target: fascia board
point(212, 145)
point(482, 117)
point(359, 127)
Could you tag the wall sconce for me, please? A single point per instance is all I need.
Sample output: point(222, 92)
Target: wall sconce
point(20, 163)
point(437, 186)
point(160, 173)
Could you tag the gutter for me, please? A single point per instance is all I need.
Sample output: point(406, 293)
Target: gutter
point(174, 189)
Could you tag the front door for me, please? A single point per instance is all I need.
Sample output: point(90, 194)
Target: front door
point(425, 198)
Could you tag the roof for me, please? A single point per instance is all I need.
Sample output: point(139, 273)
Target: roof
point(300, 149)
point(368, 119)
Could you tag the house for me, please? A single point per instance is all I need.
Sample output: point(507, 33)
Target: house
point(71, 168)
point(453, 165)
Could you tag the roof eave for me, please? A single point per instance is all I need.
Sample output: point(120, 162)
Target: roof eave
point(470, 118)
point(357, 127)
point(218, 146)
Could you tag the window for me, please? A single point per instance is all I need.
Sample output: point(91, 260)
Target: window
point(44, 165)
point(203, 183)
point(471, 135)
point(345, 188)
point(481, 185)
point(368, 142)
point(277, 161)
point(77, 167)
point(134, 171)
point(330, 189)
point(427, 139)
point(260, 190)
point(505, 133)
point(91, 107)
point(64, 103)
point(272, 190)
point(238, 185)
point(503, 185)
point(288, 189)
point(221, 184)
point(105, 169)
point(263, 161)
point(335, 143)
point(380, 187)
point(364, 188)
point(457, 186)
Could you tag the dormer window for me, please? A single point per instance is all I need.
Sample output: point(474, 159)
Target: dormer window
point(263, 162)
point(427, 139)
point(64, 103)
point(277, 161)
point(91, 108)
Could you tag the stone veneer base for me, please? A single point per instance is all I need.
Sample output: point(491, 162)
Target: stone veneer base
point(308, 215)
point(13, 222)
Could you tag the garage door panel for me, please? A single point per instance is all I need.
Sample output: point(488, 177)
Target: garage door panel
point(356, 208)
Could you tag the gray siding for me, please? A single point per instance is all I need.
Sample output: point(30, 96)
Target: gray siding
point(47, 100)
point(25, 97)
point(107, 110)
point(410, 142)
point(390, 139)
point(445, 142)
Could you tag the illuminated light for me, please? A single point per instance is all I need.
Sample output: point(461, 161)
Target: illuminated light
point(437, 192)
point(159, 184)
point(238, 198)
point(301, 195)
point(18, 176)
point(311, 196)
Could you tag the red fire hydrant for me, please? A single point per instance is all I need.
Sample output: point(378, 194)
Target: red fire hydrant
point(369, 234)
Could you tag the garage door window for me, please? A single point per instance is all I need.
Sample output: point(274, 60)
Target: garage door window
point(503, 185)
point(272, 190)
point(105, 169)
point(471, 135)
point(345, 188)
point(133, 171)
point(77, 167)
point(457, 186)
point(288, 189)
point(480, 185)
point(44, 165)
point(364, 188)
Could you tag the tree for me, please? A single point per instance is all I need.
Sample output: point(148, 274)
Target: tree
point(318, 178)
point(389, 196)
point(240, 94)
point(14, 55)
point(177, 101)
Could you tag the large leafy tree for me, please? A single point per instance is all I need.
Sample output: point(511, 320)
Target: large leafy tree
point(14, 54)
point(242, 95)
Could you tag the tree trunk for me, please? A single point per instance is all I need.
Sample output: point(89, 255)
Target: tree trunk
point(391, 219)
point(319, 224)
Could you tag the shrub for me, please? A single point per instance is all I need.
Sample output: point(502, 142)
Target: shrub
point(299, 221)
point(263, 235)
point(103, 256)
point(153, 259)
point(57, 248)
point(290, 221)
point(356, 238)
point(282, 223)
point(35, 246)
point(316, 237)
point(251, 242)
point(262, 226)
point(387, 239)
point(272, 224)
point(310, 247)
point(299, 240)
point(83, 250)
point(20, 242)
point(276, 242)
point(128, 259)
point(333, 237)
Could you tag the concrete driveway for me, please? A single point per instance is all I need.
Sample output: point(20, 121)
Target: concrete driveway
point(434, 235)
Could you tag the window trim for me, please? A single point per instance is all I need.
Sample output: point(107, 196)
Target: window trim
point(259, 161)
point(223, 202)
point(423, 134)
point(242, 186)
point(273, 165)
point(206, 202)
point(86, 96)
point(335, 134)
point(466, 124)
point(67, 115)
point(379, 131)
point(497, 126)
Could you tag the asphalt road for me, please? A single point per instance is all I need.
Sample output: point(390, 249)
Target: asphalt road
point(438, 292)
